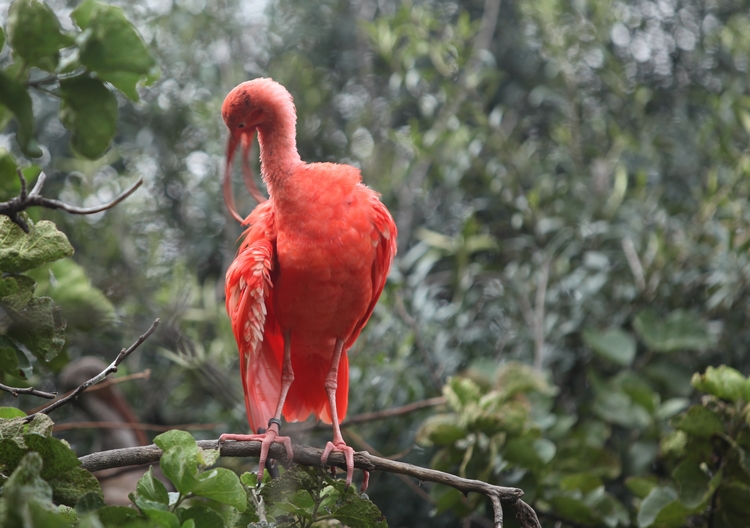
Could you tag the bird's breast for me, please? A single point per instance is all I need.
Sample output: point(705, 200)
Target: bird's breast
point(324, 281)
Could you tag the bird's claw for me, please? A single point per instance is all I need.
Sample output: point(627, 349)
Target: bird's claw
point(349, 456)
point(265, 439)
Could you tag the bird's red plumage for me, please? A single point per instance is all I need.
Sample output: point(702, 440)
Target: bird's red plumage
point(312, 264)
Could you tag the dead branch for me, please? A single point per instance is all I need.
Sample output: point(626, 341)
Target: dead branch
point(310, 456)
point(24, 200)
point(125, 352)
point(15, 391)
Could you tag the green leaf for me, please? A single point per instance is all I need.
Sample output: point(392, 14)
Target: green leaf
point(641, 486)
point(734, 497)
point(71, 486)
point(15, 98)
point(10, 184)
point(11, 454)
point(8, 413)
point(20, 252)
point(84, 306)
point(58, 457)
point(515, 377)
point(222, 485)
point(2, 39)
point(723, 382)
point(41, 424)
point(90, 502)
point(35, 34)
point(584, 482)
point(121, 515)
point(440, 429)
point(89, 110)
point(356, 512)
point(180, 465)
point(8, 358)
point(152, 488)
point(170, 439)
point(614, 345)
point(681, 330)
point(161, 519)
point(40, 326)
point(26, 483)
point(700, 422)
point(662, 508)
point(202, 517)
point(460, 392)
point(113, 49)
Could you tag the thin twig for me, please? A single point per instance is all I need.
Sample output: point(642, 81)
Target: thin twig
point(108, 383)
point(310, 456)
point(128, 425)
point(370, 416)
point(15, 391)
point(125, 352)
point(23, 201)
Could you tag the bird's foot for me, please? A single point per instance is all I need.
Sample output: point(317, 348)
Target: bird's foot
point(349, 456)
point(265, 439)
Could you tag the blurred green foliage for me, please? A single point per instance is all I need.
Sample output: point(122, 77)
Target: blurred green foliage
point(570, 182)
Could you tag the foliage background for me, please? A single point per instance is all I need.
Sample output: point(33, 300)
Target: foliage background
point(570, 188)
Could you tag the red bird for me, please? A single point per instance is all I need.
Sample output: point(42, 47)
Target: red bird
point(307, 275)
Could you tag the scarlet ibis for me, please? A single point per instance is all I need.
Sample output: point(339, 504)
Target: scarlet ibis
point(311, 266)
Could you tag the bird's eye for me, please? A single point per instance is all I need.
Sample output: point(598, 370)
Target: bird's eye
point(241, 125)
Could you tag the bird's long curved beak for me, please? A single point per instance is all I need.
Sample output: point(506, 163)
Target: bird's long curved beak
point(246, 139)
point(228, 194)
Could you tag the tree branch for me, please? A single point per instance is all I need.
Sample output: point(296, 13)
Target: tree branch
point(125, 352)
point(23, 201)
point(15, 391)
point(310, 456)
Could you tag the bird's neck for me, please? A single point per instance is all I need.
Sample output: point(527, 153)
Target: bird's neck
point(278, 154)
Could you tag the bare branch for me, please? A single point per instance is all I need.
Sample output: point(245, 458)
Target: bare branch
point(15, 391)
point(310, 456)
point(24, 200)
point(125, 352)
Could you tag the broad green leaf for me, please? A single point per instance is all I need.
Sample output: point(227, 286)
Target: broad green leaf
point(180, 465)
point(571, 506)
point(10, 184)
point(71, 486)
point(356, 512)
point(35, 34)
point(121, 515)
point(84, 306)
point(20, 252)
point(26, 480)
point(9, 413)
point(692, 482)
point(58, 457)
point(15, 98)
point(151, 488)
point(201, 516)
point(641, 486)
point(2, 39)
point(40, 326)
point(190, 523)
point(584, 482)
point(89, 110)
point(113, 49)
point(662, 508)
point(723, 382)
point(8, 359)
point(222, 485)
point(734, 497)
point(515, 377)
point(460, 392)
point(160, 518)
point(11, 453)
point(41, 424)
point(681, 330)
point(175, 437)
point(529, 453)
point(671, 407)
point(90, 502)
point(440, 429)
point(614, 345)
point(700, 422)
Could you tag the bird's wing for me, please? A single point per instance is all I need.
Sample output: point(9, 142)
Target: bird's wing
point(249, 288)
point(383, 237)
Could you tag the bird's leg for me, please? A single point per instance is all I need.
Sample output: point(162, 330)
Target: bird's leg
point(338, 443)
point(271, 434)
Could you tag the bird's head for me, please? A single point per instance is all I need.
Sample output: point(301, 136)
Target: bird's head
point(259, 103)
